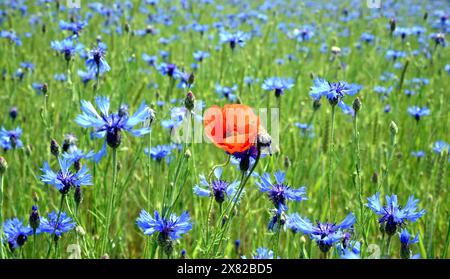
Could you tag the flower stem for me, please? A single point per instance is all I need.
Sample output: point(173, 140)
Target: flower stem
point(111, 202)
point(56, 224)
point(2, 253)
point(330, 161)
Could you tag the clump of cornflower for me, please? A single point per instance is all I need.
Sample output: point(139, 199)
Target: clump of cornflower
point(238, 38)
point(67, 47)
point(56, 224)
point(66, 178)
point(200, 55)
point(405, 242)
point(168, 229)
point(11, 139)
point(75, 27)
point(279, 192)
point(262, 254)
point(325, 234)
point(392, 215)
point(110, 125)
point(11, 36)
point(227, 92)
point(16, 233)
point(334, 92)
point(279, 85)
point(159, 152)
point(218, 188)
point(367, 38)
point(96, 62)
point(395, 54)
point(418, 112)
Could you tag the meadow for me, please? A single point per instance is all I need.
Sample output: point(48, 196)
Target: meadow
point(354, 163)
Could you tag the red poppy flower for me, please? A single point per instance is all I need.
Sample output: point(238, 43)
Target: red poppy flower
point(234, 128)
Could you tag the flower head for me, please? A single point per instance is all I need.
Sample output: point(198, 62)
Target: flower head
point(219, 188)
point(96, 62)
point(55, 225)
point(168, 228)
point(406, 240)
point(234, 39)
point(67, 47)
point(66, 178)
point(234, 128)
point(159, 152)
point(334, 92)
point(279, 85)
point(11, 139)
point(393, 215)
point(418, 112)
point(325, 234)
point(16, 233)
point(279, 192)
point(110, 125)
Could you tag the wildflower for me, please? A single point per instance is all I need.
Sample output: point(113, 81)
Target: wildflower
point(279, 85)
point(67, 47)
point(96, 62)
point(56, 226)
point(325, 234)
point(170, 70)
point(263, 253)
point(234, 39)
point(168, 229)
point(75, 27)
point(406, 241)
point(351, 252)
point(110, 125)
point(392, 215)
point(279, 192)
point(12, 36)
point(76, 155)
point(150, 60)
point(394, 54)
point(16, 233)
point(69, 143)
point(438, 38)
point(418, 112)
point(418, 154)
point(11, 139)
point(234, 128)
point(305, 129)
point(277, 221)
point(200, 55)
point(159, 152)
point(334, 92)
point(220, 188)
point(227, 92)
point(441, 146)
point(13, 113)
point(246, 158)
point(65, 178)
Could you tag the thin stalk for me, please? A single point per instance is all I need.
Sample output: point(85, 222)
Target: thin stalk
point(111, 202)
point(61, 205)
point(330, 161)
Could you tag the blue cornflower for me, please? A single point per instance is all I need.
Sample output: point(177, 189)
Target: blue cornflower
point(418, 112)
point(406, 241)
point(279, 193)
point(39, 88)
point(351, 252)
point(11, 35)
point(418, 154)
point(305, 129)
point(159, 152)
point(440, 146)
point(201, 55)
point(279, 85)
point(438, 38)
point(16, 233)
point(66, 178)
point(263, 254)
point(150, 60)
point(167, 229)
point(334, 92)
point(76, 155)
point(60, 77)
point(394, 54)
point(11, 139)
point(110, 125)
point(55, 225)
point(234, 39)
point(85, 76)
point(392, 215)
point(402, 32)
point(447, 68)
point(96, 62)
point(220, 188)
point(75, 27)
point(227, 92)
point(325, 234)
point(367, 38)
point(170, 70)
point(67, 47)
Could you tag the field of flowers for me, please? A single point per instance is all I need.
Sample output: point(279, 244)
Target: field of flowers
point(224, 129)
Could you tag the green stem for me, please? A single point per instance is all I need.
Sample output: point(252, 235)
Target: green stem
point(56, 224)
point(110, 203)
point(330, 161)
